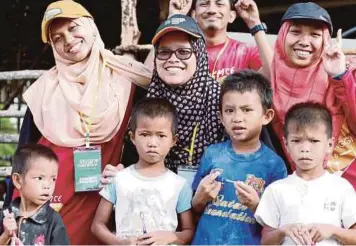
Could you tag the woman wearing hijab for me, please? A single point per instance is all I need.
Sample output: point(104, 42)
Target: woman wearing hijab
point(84, 101)
point(181, 75)
point(307, 66)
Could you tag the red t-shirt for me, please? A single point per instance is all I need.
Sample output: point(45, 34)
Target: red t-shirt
point(234, 57)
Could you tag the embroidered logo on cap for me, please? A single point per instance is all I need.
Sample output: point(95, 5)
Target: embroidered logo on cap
point(174, 21)
point(52, 13)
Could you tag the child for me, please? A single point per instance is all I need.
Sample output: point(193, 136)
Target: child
point(149, 199)
point(233, 174)
point(34, 173)
point(310, 206)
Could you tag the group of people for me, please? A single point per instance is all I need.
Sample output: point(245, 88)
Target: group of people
point(209, 102)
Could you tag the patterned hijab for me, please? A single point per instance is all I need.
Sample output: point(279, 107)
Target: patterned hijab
point(197, 104)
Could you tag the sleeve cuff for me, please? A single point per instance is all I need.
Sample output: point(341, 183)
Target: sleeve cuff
point(339, 76)
point(106, 196)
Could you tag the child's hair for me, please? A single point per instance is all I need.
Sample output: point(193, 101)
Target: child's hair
point(308, 114)
point(248, 80)
point(29, 152)
point(153, 107)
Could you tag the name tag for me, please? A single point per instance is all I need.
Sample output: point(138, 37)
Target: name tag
point(188, 172)
point(87, 168)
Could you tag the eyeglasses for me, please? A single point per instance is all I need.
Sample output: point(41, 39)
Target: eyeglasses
point(181, 53)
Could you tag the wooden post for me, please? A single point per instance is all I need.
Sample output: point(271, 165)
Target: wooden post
point(130, 33)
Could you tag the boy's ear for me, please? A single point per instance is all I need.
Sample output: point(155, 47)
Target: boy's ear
point(331, 144)
point(132, 137)
point(175, 139)
point(232, 16)
point(268, 116)
point(221, 118)
point(285, 143)
point(17, 180)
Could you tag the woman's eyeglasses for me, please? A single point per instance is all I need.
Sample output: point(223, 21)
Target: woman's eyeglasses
point(181, 53)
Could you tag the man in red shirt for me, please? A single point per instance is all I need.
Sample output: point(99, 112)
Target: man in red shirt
point(227, 55)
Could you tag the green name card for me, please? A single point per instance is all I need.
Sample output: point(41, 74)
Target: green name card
point(87, 168)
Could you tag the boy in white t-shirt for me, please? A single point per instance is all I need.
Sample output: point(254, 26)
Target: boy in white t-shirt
point(149, 199)
point(311, 206)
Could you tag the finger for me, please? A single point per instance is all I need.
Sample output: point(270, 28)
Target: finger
point(217, 186)
point(301, 239)
point(295, 239)
point(339, 38)
point(214, 175)
point(144, 236)
point(307, 238)
point(120, 167)
point(319, 238)
point(147, 241)
point(333, 52)
point(327, 43)
point(105, 181)
point(109, 173)
point(6, 213)
point(242, 193)
point(297, 234)
point(313, 233)
point(245, 187)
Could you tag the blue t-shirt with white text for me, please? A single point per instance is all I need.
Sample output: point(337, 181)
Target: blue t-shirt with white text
point(225, 220)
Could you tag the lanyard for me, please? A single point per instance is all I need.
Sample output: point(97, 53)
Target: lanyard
point(218, 56)
point(88, 121)
point(192, 144)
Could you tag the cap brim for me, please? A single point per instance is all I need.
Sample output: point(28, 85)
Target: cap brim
point(171, 29)
point(67, 16)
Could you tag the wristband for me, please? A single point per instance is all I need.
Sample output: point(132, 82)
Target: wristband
point(259, 27)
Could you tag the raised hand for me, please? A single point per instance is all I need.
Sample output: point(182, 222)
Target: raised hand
point(334, 60)
point(248, 11)
point(9, 223)
point(179, 7)
point(208, 187)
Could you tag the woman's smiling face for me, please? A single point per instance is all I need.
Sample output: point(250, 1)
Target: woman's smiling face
point(174, 71)
point(304, 43)
point(72, 41)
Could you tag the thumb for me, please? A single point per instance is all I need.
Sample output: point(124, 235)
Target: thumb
point(120, 167)
point(214, 175)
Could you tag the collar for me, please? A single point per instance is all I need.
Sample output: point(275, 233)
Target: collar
point(39, 217)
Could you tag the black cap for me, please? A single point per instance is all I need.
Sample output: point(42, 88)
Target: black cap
point(309, 11)
point(178, 22)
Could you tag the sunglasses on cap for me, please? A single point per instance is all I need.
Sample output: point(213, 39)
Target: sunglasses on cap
point(181, 53)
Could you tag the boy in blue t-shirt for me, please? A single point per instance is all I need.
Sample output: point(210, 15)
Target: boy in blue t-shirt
point(232, 175)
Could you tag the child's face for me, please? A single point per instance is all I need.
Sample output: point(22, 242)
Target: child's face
point(38, 183)
point(243, 116)
point(308, 147)
point(153, 138)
